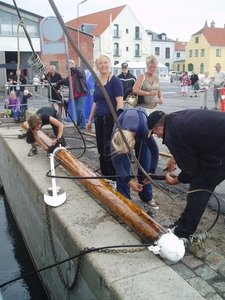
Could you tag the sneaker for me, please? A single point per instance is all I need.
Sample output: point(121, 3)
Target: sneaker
point(33, 151)
point(152, 204)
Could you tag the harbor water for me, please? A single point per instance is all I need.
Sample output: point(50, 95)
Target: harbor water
point(15, 261)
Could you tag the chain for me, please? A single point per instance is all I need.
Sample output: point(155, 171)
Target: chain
point(76, 277)
point(116, 250)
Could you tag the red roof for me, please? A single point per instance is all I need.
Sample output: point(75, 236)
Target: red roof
point(100, 19)
point(180, 46)
point(214, 36)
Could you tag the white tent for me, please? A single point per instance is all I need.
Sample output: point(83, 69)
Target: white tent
point(138, 67)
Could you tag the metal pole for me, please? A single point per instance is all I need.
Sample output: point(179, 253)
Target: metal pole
point(78, 30)
point(70, 81)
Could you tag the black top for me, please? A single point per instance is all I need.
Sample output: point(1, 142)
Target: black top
point(196, 139)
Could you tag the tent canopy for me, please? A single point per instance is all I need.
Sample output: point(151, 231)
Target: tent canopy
point(12, 65)
point(138, 67)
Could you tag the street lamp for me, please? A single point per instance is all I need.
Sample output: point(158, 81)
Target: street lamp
point(78, 32)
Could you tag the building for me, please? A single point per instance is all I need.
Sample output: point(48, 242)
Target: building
point(117, 33)
point(162, 47)
point(179, 56)
point(205, 48)
point(11, 50)
point(9, 47)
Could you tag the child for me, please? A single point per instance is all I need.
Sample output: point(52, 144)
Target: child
point(13, 105)
point(24, 107)
point(36, 82)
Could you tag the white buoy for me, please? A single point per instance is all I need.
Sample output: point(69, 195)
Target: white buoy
point(169, 246)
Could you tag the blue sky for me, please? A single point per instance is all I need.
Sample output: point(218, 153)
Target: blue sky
point(178, 19)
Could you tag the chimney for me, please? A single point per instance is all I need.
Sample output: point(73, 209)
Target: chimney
point(213, 24)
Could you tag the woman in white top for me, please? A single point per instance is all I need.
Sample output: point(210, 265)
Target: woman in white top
point(205, 83)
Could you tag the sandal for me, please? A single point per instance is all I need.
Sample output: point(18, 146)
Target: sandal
point(152, 204)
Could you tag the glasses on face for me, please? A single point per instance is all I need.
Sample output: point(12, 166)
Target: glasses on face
point(152, 67)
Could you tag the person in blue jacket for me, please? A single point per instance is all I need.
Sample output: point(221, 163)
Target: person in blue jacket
point(196, 139)
point(133, 122)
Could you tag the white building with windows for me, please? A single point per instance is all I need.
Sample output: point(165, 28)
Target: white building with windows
point(117, 33)
point(163, 48)
point(9, 46)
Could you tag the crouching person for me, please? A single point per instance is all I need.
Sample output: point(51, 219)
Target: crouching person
point(44, 116)
point(133, 122)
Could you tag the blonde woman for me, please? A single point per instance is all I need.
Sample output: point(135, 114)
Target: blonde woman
point(205, 84)
point(148, 85)
point(134, 125)
point(101, 113)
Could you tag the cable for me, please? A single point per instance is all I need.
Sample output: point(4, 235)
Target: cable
point(83, 252)
point(212, 193)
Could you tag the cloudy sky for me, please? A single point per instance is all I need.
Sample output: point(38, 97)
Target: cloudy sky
point(178, 19)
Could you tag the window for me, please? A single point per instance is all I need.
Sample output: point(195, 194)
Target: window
point(116, 32)
point(137, 33)
point(218, 52)
point(9, 25)
point(196, 52)
point(202, 52)
point(137, 50)
point(202, 68)
point(196, 40)
point(56, 64)
point(116, 49)
point(157, 51)
point(178, 54)
point(190, 53)
point(167, 54)
point(127, 30)
point(127, 49)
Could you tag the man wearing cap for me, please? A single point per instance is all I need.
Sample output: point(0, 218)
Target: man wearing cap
point(127, 79)
point(218, 84)
point(196, 139)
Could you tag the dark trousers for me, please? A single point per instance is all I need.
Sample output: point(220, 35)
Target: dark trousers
point(143, 154)
point(103, 130)
point(197, 202)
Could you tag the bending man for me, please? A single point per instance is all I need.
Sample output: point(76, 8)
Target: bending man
point(44, 116)
point(196, 139)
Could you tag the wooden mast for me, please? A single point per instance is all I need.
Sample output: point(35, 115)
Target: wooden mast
point(132, 215)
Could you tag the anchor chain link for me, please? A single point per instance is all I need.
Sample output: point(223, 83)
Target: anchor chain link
point(116, 250)
point(76, 277)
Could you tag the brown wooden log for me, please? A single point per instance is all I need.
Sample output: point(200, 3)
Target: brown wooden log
point(139, 221)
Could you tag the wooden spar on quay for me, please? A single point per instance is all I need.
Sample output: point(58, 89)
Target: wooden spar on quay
point(166, 243)
point(139, 221)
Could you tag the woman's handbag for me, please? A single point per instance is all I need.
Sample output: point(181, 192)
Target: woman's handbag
point(132, 99)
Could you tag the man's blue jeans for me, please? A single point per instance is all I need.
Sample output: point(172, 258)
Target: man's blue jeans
point(144, 159)
point(79, 102)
